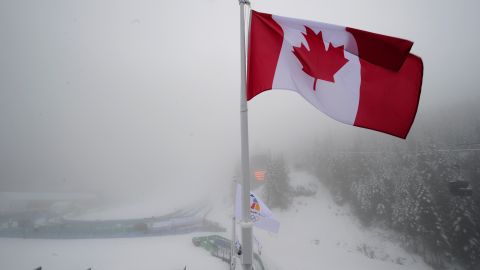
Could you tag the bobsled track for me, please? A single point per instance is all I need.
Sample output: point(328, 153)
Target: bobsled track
point(178, 222)
point(220, 247)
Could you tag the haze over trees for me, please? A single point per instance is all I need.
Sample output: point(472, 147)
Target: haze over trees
point(277, 191)
point(403, 186)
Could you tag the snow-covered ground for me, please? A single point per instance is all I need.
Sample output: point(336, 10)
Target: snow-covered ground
point(148, 253)
point(315, 233)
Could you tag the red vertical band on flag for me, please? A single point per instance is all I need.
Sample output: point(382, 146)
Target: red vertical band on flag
point(388, 99)
point(265, 43)
point(388, 52)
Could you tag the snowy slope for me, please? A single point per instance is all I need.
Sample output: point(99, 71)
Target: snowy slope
point(315, 233)
point(149, 253)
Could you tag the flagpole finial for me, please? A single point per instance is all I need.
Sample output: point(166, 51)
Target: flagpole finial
point(245, 2)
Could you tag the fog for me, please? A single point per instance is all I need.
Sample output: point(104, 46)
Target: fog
point(130, 110)
point(142, 97)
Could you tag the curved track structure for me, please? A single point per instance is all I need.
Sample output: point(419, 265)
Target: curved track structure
point(179, 222)
point(219, 247)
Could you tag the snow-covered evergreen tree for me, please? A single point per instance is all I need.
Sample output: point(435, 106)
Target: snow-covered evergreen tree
point(277, 189)
point(464, 232)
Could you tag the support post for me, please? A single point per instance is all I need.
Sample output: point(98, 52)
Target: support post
point(246, 224)
point(233, 262)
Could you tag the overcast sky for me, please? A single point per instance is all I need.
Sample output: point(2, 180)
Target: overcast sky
point(145, 94)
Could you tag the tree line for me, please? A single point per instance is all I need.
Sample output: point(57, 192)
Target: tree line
point(404, 186)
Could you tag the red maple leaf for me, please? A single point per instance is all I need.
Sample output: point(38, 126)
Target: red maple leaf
point(317, 62)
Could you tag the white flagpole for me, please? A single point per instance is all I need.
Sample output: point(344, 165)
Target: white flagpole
point(233, 260)
point(246, 224)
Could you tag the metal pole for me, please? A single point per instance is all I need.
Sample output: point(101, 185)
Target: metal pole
point(233, 261)
point(246, 223)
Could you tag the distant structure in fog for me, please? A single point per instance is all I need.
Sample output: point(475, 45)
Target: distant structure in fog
point(25, 201)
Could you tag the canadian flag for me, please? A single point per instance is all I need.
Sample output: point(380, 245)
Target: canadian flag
point(356, 77)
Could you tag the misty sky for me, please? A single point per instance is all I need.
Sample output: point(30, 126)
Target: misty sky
point(144, 95)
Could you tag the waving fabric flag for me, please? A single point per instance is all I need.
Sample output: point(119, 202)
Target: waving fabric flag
point(355, 77)
point(260, 215)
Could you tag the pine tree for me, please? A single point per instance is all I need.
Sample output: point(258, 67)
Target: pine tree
point(277, 189)
point(403, 207)
point(464, 233)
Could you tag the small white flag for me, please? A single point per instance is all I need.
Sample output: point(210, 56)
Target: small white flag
point(260, 215)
